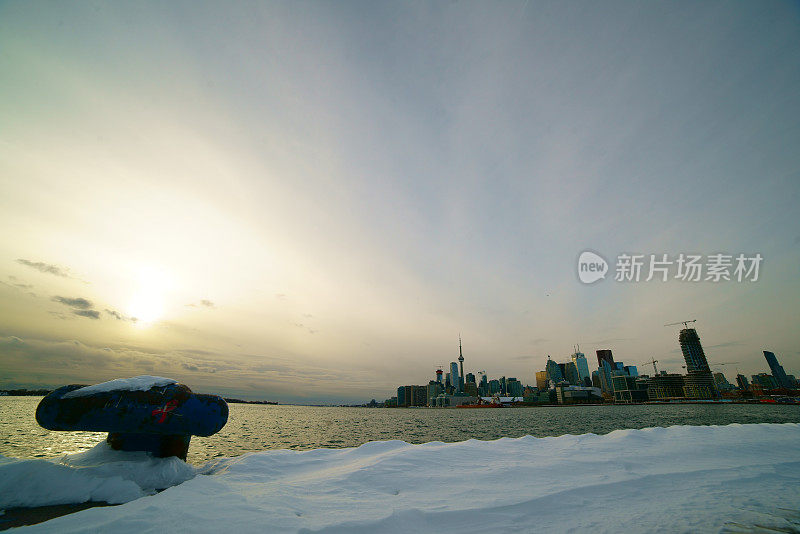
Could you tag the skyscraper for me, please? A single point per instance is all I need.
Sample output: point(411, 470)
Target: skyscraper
point(605, 354)
point(553, 372)
point(741, 381)
point(455, 380)
point(579, 359)
point(777, 370)
point(699, 382)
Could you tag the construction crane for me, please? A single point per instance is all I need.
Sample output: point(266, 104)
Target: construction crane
point(684, 323)
point(652, 362)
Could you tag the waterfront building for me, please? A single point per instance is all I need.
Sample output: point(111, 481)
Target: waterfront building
point(412, 396)
point(596, 379)
point(579, 359)
point(631, 370)
point(471, 389)
point(567, 394)
point(627, 389)
point(605, 355)
point(455, 381)
point(553, 371)
point(764, 381)
point(665, 386)
point(777, 370)
point(606, 372)
point(434, 389)
point(721, 382)
point(541, 380)
point(571, 374)
point(699, 382)
point(515, 388)
point(741, 381)
point(494, 387)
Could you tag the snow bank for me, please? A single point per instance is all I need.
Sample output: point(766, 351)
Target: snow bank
point(136, 383)
point(100, 474)
point(676, 479)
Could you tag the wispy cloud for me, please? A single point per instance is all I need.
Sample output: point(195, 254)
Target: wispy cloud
point(45, 267)
point(78, 302)
point(205, 303)
point(80, 306)
point(118, 316)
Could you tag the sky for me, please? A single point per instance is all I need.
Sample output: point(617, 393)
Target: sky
point(310, 201)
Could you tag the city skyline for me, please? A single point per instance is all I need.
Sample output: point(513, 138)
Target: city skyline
point(308, 202)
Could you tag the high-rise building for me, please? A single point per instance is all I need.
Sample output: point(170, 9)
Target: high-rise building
point(579, 359)
point(553, 372)
point(741, 381)
point(435, 388)
point(721, 382)
point(777, 370)
point(699, 382)
point(630, 370)
point(606, 372)
point(412, 396)
point(494, 387)
point(515, 388)
point(665, 386)
point(605, 354)
point(439, 375)
point(541, 380)
point(470, 378)
point(571, 374)
point(764, 381)
point(455, 379)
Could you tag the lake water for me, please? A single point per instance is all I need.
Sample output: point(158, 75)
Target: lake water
point(253, 427)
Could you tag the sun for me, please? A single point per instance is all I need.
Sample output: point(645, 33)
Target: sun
point(148, 302)
point(146, 308)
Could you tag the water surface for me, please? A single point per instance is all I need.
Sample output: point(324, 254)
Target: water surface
point(255, 427)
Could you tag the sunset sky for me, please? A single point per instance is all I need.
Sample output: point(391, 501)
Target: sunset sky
point(310, 201)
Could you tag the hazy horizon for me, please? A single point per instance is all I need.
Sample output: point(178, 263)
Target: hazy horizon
point(309, 202)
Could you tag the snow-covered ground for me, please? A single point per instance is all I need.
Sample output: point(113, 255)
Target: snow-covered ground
point(736, 478)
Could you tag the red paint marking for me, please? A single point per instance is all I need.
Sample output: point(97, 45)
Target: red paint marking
point(164, 410)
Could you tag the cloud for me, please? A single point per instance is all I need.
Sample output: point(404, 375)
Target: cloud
point(120, 317)
point(79, 302)
point(523, 357)
point(44, 267)
point(80, 306)
point(205, 303)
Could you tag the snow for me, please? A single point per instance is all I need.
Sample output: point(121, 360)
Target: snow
point(136, 383)
point(735, 478)
point(100, 474)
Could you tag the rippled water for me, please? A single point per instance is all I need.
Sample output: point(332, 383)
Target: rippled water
point(253, 427)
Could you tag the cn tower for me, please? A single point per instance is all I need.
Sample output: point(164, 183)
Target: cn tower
point(461, 362)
